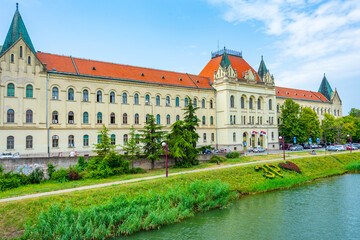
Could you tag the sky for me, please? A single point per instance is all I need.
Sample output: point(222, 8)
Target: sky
point(300, 40)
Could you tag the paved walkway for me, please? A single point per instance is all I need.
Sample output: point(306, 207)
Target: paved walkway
point(149, 178)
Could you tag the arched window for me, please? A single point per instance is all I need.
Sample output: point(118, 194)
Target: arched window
point(99, 96)
point(85, 95)
point(147, 99)
point(99, 117)
point(29, 116)
point(203, 103)
point(177, 117)
point(251, 103)
point(29, 60)
point(124, 98)
point(55, 141)
point(85, 117)
point(136, 118)
point(124, 118)
point(231, 120)
point(71, 141)
point(157, 100)
point(86, 140)
point(99, 139)
point(234, 137)
point(203, 120)
point(204, 137)
point(259, 104)
point(186, 102)
point(12, 58)
point(21, 51)
point(10, 116)
point(10, 142)
point(270, 104)
point(147, 118)
point(278, 108)
point(158, 119)
point(10, 90)
point(29, 91)
point(112, 97)
point(168, 119)
point(212, 137)
point(177, 101)
point(125, 139)
point(71, 117)
point(211, 120)
point(71, 94)
point(55, 117)
point(55, 93)
point(29, 142)
point(195, 102)
point(136, 98)
point(167, 101)
point(112, 118)
point(113, 139)
point(242, 102)
point(232, 101)
point(211, 103)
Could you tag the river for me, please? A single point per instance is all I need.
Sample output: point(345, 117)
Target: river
point(326, 209)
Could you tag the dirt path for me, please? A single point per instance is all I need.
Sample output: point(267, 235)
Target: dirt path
point(147, 178)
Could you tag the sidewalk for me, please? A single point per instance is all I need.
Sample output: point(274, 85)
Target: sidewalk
point(149, 178)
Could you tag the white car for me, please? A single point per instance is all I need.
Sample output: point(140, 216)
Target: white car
point(8, 155)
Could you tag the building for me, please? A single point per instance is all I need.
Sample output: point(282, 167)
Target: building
point(51, 104)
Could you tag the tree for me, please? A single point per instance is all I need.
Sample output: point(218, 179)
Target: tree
point(328, 128)
point(104, 147)
point(290, 126)
point(132, 148)
point(355, 113)
point(151, 139)
point(310, 124)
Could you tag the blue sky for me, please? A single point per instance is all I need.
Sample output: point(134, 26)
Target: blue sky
point(300, 40)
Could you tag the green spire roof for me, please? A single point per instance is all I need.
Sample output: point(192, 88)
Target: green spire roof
point(325, 88)
point(16, 31)
point(262, 68)
point(225, 62)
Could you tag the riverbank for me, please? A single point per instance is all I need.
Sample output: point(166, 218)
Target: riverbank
point(241, 179)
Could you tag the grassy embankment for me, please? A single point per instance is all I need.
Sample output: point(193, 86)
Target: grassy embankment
point(48, 186)
point(243, 179)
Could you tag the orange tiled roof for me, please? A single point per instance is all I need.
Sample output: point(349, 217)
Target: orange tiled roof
point(119, 71)
point(237, 63)
point(300, 94)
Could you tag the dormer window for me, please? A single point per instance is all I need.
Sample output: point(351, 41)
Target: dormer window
point(295, 94)
point(142, 74)
point(310, 95)
point(54, 69)
point(162, 77)
point(180, 79)
point(304, 95)
point(287, 93)
point(278, 91)
point(93, 68)
point(197, 81)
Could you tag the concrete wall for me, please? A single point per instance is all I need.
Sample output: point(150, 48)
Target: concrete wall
point(29, 164)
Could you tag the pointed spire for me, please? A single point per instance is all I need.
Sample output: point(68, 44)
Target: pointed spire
point(225, 61)
point(262, 69)
point(16, 31)
point(325, 88)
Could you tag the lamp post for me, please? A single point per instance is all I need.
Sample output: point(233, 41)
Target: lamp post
point(283, 144)
point(267, 137)
point(349, 136)
point(165, 148)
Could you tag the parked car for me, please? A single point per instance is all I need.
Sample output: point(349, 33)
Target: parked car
point(207, 151)
point(356, 145)
point(331, 148)
point(7, 155)
point(296, 148)
point(340, 148)
point(351, 147)
point(258, 149)
point(288, 146)
point(307, 146)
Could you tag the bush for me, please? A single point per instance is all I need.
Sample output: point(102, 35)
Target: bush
point(61, 175)
point(50, 169)
point(9, 183)
point(36, 176)
point(217, 158)
point(82, 164)
point(73, 175)
point(1, 169)
point(137, 170)
point(232, 155)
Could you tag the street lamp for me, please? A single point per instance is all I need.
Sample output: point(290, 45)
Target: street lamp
point(283, 144)
point(267, 136)
point(165, 148)
point(349, 136)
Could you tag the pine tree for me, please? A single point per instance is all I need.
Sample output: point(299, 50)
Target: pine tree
point(151, 139)
point(104, 147)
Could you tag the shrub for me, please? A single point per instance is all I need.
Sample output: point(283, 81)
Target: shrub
point(9, 183)
point(232, 155)
point(137, 170)
point(82, 164)
point(1, 169)
point(73, 175)
point(60, 175)
point(50, 169)
point(217, 158)
point(36, 176)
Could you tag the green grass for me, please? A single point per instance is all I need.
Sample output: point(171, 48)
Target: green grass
point(353, 166)
point(14, 215)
